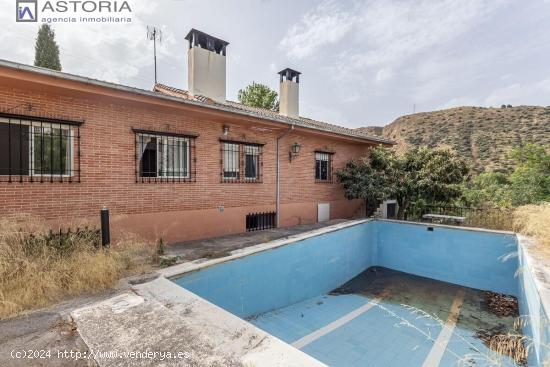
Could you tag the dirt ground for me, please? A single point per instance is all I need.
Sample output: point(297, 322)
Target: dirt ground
point(48, 334)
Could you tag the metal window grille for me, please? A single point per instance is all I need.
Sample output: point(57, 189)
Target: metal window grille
point(260, 221)
point(241, 162)
point(164, 157)
point(35, 149)
point(323, 167)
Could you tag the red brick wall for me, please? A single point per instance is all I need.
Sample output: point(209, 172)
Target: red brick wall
point(177, 211)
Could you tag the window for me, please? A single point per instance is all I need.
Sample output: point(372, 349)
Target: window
point(241, 162)
point(323, 167)
point(231, 161)
point(251, 162)
point(38, 150)
point(164, 158)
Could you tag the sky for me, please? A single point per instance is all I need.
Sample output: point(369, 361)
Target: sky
point(363, 62)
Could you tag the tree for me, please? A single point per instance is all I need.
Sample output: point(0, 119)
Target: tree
point(491, 188)
point(46, 49)
point(259, 95)
point(433, 176)
point(369, 178)
point(529, 183)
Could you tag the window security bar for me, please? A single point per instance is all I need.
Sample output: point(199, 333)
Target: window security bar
point(39, 150)
point(261, 221)
point(241, 162)
point(165, 157)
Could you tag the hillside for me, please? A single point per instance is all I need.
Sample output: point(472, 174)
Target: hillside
point(483, 136)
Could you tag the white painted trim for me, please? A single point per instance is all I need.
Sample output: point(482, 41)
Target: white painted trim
point(440, 345)
point(310, 338)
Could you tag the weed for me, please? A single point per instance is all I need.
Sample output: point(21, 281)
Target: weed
point(38, 269)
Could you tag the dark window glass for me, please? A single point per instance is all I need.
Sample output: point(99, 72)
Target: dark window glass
point(33, 148)
point(148, 160)
point(252, 154)
point(323, 166)
point(241, 162)
point(14, 149)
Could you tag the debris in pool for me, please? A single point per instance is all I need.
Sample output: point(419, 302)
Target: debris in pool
point(319, 303)
point(506, 343)
point(502, 304)
point(341, 291)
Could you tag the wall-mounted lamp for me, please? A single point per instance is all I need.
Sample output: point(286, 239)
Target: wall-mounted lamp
point(294, 151)
point(225, 130)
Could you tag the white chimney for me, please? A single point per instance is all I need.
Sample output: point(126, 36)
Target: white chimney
point(289, 96)
point(206, 62)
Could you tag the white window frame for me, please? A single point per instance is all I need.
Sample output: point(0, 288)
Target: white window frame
point(162, 159)
point(226, 154)
point(52, 125)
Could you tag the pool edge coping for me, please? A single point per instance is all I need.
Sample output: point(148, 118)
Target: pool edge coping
point(448, 226)
point(539, 270)
point(191, 266)
point(525, 243)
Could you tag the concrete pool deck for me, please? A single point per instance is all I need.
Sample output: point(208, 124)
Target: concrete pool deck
point(221, 246)
point(160, 316)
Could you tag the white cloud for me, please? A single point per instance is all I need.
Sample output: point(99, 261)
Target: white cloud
point(531, 93)
point(383, 75)
point(388, 33)
point(322, 113)
point(363, 60)
point(115, 52)
point(327, 24)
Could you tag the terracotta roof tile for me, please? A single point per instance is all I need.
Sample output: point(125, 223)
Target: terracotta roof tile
point(272, 115)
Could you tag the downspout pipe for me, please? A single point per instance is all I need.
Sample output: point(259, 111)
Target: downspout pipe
point(278, 175)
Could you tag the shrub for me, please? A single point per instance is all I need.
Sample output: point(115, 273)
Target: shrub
point(37, 269)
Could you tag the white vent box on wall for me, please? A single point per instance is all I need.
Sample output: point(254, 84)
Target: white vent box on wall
point(323, 212)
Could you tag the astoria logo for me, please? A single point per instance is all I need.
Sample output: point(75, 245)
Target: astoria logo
point(88, 6)
point(26, 11)
point(70, 11)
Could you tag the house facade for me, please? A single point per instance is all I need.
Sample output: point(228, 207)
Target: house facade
point(168, 163)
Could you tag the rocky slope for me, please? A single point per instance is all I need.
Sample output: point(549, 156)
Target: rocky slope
point(481, 135)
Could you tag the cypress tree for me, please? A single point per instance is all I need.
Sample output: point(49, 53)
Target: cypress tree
point(46, 49)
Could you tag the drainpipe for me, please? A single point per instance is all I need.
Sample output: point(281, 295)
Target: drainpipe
point(278, 174)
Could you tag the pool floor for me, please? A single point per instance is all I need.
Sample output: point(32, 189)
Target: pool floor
point(388, 318)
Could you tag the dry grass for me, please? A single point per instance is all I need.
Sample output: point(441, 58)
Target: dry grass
point(36, 272)
point(497, 219)
point(511, 345)
point(534, 221)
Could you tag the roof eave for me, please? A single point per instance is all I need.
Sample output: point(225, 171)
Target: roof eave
point(143, 92)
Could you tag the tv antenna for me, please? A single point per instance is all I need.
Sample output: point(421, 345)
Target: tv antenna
point(154, 34)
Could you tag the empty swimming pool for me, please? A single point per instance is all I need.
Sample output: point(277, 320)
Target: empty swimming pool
point(384, 293)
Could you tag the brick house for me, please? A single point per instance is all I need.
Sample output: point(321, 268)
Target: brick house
point(167, 163)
